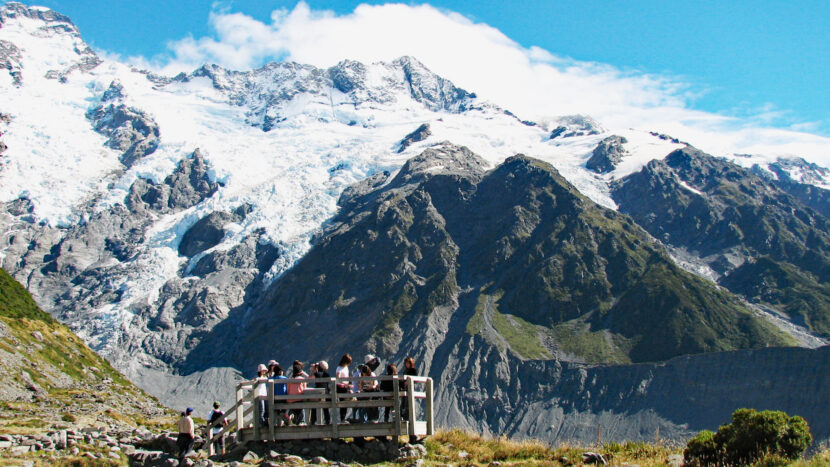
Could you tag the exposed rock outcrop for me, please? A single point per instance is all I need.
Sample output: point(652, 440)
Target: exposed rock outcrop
point(608, 153)
point(131, 131)
point(419, 134)
point(575, 125)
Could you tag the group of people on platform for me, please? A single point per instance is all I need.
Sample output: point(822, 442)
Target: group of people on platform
point(273, 371)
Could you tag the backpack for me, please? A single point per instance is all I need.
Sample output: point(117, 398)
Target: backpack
point(215, 416)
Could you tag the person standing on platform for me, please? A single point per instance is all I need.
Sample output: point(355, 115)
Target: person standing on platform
point(342, 371)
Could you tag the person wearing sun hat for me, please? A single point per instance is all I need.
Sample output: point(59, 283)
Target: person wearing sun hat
point(271, 365)
point(262, 393)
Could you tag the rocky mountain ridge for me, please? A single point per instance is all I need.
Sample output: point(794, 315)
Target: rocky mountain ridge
point(746, 229)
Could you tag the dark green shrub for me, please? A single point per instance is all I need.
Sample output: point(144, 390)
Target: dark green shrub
point(701, 450)
point(751, 437)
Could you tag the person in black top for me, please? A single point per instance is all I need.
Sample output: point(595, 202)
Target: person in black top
point(388, 386)
point(320, 370)
point(409, 370)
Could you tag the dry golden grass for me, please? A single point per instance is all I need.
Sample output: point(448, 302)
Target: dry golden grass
point(462, 448)
point(459, 447)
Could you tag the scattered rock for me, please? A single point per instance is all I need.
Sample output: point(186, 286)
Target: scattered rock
point(675, 460)
point(593, 458)
point(250, 456)
point(37, 335)
point(320, 460)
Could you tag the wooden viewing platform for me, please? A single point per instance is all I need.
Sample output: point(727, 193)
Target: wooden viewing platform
point(243, 418)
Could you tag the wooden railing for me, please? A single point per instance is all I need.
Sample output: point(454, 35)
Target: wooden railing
point(244, 417)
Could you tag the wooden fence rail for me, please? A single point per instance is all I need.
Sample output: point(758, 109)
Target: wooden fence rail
point(245, 416)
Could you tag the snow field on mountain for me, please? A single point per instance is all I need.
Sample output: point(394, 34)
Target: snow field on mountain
point(54, 157)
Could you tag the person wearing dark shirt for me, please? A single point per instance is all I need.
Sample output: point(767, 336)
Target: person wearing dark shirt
point(409, 370)
point(388, 386)
point(320, 370)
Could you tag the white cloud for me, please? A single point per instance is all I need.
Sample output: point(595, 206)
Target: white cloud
point(532, 82)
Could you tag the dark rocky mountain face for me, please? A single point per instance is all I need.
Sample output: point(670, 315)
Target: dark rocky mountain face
point(608, 153)
point(527, 262)
point(741, 225)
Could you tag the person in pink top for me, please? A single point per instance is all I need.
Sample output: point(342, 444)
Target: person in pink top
point(295, 389)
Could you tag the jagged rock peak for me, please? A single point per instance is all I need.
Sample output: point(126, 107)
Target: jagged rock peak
point(575, 125)
point(419, 134)
point(608, 153)
point(56, 22)
point(266, 91)
point(430, 89)
point(443, 158)
point(798, 170)
point(114, 92)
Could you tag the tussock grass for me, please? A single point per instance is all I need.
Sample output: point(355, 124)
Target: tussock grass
point(463, 448)
point(457, 445)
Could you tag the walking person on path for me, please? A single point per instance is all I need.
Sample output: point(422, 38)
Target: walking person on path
point(186, 434)
point(216, 421)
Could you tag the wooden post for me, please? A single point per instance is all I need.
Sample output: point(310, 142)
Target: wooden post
point(396, 401)
point(599, 435)
point(257, 413)
point(335, 411)
point(429, 406)
point(271, 417)
point(240, 409)
point(410, 400)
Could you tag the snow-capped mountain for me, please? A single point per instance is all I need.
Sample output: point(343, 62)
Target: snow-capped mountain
point(147, 210)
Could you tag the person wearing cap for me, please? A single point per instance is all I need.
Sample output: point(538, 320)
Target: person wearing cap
point(372, 362)
point(186, 434)
point(216, 421)
point(262, 393)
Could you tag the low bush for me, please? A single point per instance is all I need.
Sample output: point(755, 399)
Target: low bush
point(763, 438)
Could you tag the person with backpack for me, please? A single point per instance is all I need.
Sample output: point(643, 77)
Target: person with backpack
point(216, 421)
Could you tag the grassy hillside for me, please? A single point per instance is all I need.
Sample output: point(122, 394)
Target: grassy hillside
point(52, 380)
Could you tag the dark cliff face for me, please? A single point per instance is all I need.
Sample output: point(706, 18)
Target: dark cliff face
point(531, 265)
point(730, 216)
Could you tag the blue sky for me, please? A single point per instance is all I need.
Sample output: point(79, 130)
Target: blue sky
point(762, 61)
